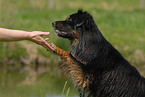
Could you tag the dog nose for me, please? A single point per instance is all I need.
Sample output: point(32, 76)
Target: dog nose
point(53, 24)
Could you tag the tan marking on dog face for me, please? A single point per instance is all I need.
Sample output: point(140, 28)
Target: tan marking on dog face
point(59, 24)
point(68, 17)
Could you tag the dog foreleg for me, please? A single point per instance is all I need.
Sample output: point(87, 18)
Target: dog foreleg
point(75, 72)
point(62, 53)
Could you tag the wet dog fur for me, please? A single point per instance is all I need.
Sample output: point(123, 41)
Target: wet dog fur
point(93, 64)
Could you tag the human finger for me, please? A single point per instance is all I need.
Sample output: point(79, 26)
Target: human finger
point(48, 45)
point(46, 38)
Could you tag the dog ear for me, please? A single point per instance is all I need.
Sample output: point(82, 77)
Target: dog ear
point(87, 23)
point(80, 11)
point(80, 24)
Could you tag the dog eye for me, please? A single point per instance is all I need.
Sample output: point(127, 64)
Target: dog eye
point(68, 19)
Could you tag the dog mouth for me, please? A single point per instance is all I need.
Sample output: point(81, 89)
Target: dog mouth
point(58, 32)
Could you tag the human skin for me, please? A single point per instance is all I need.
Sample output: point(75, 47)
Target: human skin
point(7, 35)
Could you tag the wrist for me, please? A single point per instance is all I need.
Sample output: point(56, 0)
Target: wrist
point(28, 36)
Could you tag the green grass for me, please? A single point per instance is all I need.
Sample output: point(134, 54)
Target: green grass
point(120, 21)
point(13, 85)
point(67, 92)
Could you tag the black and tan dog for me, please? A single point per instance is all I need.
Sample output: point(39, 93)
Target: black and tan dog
point(96, 67)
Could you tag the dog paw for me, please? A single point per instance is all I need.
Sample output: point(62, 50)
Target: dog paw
point(52, 46)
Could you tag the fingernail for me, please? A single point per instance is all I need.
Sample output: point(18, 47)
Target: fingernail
point(46, 33)
point(46, 38)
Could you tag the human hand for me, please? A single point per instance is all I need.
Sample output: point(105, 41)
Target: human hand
point(36, 36)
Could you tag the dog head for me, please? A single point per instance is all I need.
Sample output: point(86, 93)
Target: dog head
point(72, 26)
point(83, 33)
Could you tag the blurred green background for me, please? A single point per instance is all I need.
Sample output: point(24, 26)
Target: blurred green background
point(27, 68)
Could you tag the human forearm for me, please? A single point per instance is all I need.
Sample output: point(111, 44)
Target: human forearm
point(13, 35)
point(17, 35)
